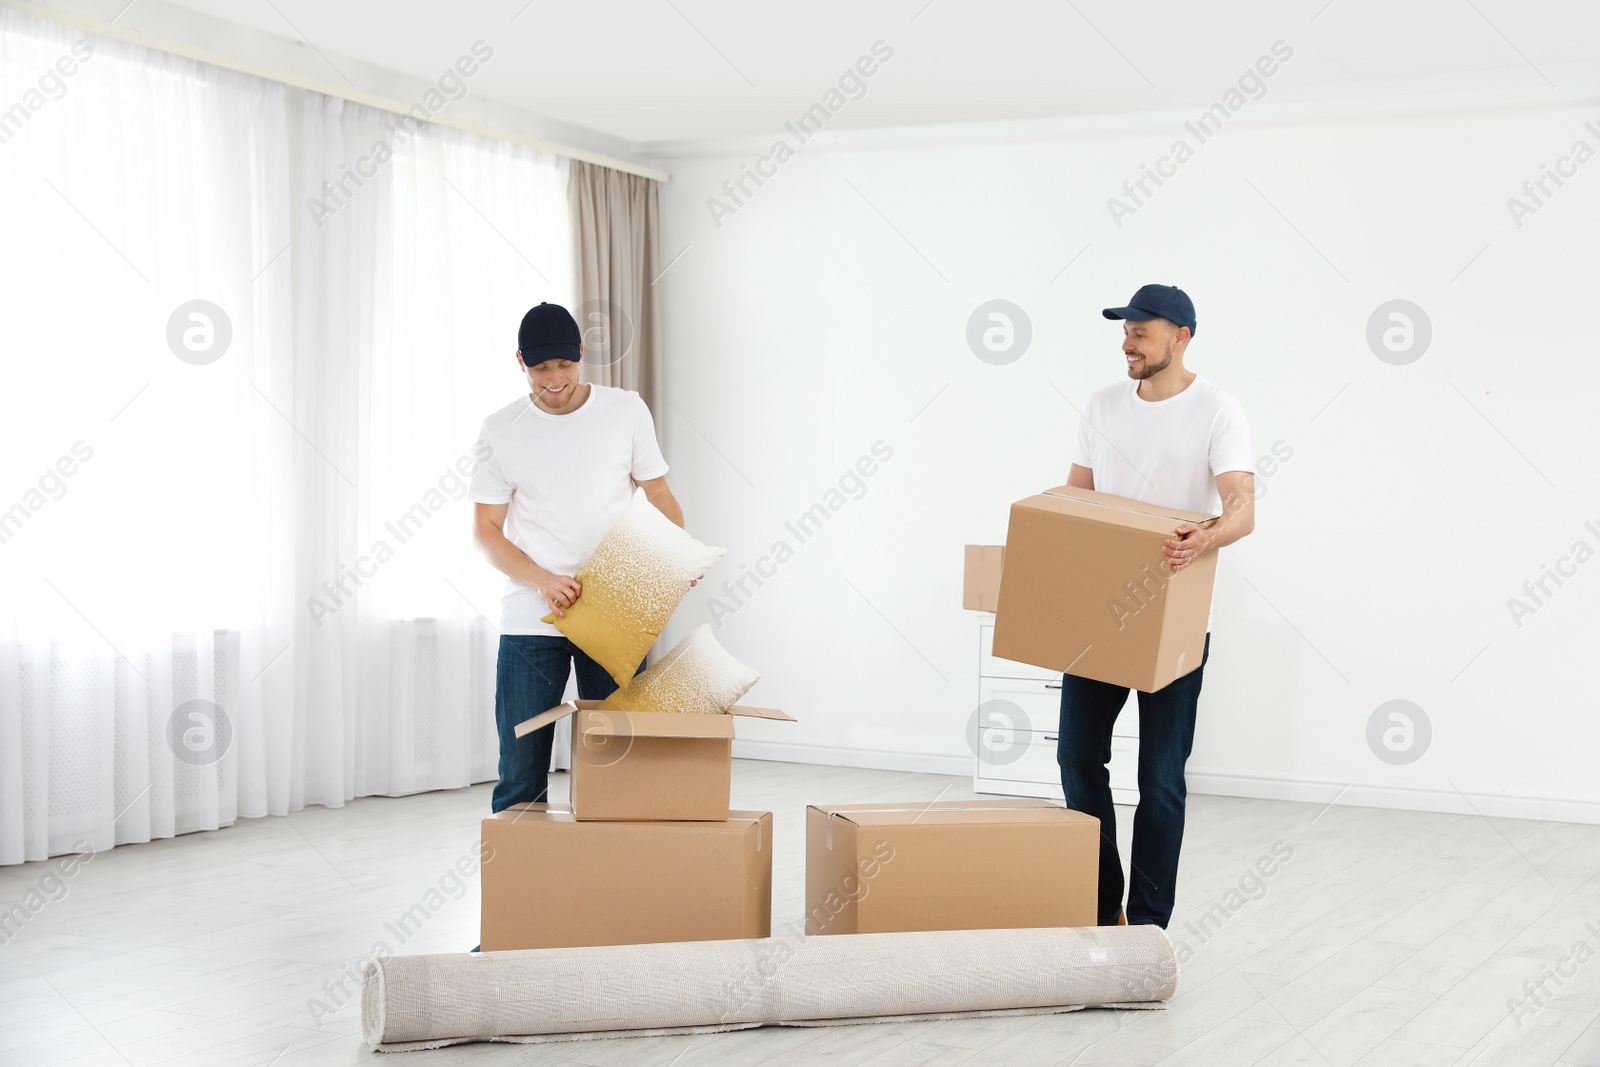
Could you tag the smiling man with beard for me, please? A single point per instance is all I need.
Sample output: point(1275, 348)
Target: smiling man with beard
point(1169, 437)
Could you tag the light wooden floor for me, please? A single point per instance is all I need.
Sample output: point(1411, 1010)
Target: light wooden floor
point(1389, 939)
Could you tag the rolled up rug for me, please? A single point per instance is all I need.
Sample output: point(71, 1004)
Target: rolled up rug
point(575, 994)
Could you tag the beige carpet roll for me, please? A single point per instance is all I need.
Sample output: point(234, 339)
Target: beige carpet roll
point(570, 994)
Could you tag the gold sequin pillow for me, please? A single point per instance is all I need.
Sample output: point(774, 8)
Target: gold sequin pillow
point(631, 585)
point(698, 675)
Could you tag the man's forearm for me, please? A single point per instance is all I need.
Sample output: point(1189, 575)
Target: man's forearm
point(668, 505)
point(507, 558)
point(1228, 529)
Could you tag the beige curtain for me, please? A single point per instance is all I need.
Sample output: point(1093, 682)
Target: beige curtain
point(617, 224)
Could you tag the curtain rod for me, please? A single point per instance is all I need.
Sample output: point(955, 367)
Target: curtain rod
point(260, 70)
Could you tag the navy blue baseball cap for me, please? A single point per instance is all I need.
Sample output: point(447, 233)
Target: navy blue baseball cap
point(548, 332)
point(1157, 302)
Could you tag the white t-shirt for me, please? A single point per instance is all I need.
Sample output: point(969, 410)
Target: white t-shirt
point(568, 479)
point(1167, 452)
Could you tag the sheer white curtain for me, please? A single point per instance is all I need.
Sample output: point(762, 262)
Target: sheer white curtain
point(233, 585)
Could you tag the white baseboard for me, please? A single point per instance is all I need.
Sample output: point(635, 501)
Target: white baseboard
point(1259, 787)
point(867, 758)
point(1465, 802)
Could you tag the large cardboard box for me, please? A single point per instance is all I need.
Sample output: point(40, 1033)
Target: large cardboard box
point(980, 589)
point(551, 881)
point(950, 865)
point(1086, 590)
point(631, 765)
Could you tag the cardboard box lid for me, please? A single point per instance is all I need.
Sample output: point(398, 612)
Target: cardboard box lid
point(944, 812)
point(541, 811)
point(650, 723)
point(1107, 507)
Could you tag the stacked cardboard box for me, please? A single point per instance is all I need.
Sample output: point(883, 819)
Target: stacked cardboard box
point(551, 880)
point(649, 850)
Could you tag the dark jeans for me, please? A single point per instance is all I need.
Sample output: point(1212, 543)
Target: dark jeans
point(1166, 736)
point(531, 677)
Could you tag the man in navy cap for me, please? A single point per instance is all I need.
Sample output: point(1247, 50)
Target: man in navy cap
point(1170, 437)
point(563, 461)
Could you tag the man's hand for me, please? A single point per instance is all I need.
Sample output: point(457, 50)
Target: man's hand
point(559, 591)
point(1189, 543)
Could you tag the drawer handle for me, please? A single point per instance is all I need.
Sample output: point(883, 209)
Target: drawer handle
point(1051, 737)
point(1052, 685)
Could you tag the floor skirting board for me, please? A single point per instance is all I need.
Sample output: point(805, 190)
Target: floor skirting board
point(1404, 798)
point(866, 758)
point(1451, 800)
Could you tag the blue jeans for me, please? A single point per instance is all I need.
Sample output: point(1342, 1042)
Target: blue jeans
point(1166, 736)
point(531, 677)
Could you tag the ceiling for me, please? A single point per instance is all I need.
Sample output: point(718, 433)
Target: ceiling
point(654, 71)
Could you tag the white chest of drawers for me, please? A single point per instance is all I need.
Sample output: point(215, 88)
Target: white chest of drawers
point(1017, 730)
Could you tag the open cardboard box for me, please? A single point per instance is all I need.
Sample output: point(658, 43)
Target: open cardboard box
point(631, 765)
point(1086, 590)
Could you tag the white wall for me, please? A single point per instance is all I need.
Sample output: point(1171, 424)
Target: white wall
point(830, 311)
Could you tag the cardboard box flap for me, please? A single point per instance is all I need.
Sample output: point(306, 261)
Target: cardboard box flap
point(1123, 504)
point(543, 719)
point(656, 724)
point(724, 727)
point(980, 576)
point(761, 713)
